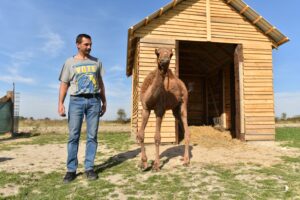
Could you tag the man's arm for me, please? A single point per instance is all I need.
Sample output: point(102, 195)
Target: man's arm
point(62, 95)
point(102, 97)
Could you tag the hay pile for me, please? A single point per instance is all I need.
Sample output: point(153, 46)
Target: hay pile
point(210, 137)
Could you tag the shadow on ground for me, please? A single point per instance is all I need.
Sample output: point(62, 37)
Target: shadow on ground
point(116, 160)
point(3, 159)
point(174, 152)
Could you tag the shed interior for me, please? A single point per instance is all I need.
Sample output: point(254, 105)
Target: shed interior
point(207, 69)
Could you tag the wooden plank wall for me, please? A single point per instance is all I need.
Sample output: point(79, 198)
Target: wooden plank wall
point(258, 92)
point(147, 63)
point(135, 92)
point(229, 27)
point(187, 21)
point(227, 96)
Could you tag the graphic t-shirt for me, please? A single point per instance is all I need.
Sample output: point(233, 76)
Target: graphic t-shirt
point(82, 75)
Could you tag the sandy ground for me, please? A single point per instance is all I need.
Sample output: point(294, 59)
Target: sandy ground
point(208, 146)
point(288, 125)
point(64, 129)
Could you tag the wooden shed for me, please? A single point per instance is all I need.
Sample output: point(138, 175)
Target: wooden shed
point(223, 53)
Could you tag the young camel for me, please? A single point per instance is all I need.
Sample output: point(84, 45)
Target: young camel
point(161, 91)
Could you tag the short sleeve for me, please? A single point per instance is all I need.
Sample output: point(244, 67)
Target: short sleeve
point(101, 70)
point(65, 74)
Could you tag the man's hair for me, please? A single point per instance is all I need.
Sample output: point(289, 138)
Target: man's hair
point(80, 36)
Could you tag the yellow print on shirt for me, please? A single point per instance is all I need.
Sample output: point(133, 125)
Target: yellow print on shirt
point(86, 79)
point(85, 69)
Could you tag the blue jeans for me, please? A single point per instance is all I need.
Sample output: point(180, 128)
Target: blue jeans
point(78, 108)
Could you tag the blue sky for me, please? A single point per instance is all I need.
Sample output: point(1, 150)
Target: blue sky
point(38, 35)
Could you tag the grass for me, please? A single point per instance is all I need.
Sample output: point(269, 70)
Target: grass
point(120, 177)
point(290, 136)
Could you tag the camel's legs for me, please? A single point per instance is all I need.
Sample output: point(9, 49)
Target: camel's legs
point(141, 136)
point(186, 157)
point(157, 140)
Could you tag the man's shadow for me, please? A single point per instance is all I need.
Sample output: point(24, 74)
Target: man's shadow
point(3, 159)
point(116, 160)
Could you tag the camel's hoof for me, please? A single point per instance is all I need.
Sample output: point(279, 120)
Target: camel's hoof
point(143, 166)
point(156, 167)
point(186, 164)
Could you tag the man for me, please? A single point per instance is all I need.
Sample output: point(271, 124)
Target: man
point(81, 74)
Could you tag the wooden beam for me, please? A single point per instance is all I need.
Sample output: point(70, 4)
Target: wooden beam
point(146, 20)
point(206, 101)
point(283, 41)
point(174, 3)
point(161, 11)
point(223, 115)
point(213, 99)
point(208, 20)
point(228, 1)
point(244, 9)
point(270, 30)
point(257, 19)
point(131, 31)
point(241, 82)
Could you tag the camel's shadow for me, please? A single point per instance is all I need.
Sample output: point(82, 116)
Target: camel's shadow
point(173, 152)
point(168, 154)
point(3, 159)
point(116, 160)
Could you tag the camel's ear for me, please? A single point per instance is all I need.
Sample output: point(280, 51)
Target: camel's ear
point(156, 52)
point(171, 54)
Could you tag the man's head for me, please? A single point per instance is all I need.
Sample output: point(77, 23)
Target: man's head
point(84, 43)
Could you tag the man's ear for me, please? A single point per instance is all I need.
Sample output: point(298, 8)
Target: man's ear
point(157, 52)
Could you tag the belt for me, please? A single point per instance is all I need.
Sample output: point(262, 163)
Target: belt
point(87, 95)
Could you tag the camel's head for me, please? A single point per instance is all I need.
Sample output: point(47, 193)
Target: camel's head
point(164, 56)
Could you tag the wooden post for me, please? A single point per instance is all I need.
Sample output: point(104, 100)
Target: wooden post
point(206, 101)
point(242, 115)
point(177, 74)
point(239, 92)
point(208, 20)
point(223, 115)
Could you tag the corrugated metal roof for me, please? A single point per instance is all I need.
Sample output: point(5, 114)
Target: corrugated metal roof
point(240, 6)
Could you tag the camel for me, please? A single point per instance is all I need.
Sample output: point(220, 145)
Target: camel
point(161, 91)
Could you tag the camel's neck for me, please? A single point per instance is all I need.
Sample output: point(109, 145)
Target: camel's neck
point(158, 83)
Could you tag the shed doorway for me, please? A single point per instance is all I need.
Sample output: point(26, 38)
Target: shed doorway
point(208, 71)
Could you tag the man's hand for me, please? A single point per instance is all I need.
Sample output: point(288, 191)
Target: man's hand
point(61, 110)
point(103, 109)
point(61, 98)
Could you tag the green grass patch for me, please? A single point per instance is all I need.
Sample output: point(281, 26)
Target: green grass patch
point(289, 135)
point(117, 141)
point(121, 178)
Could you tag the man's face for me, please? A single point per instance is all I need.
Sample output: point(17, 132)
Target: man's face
point(85, 46)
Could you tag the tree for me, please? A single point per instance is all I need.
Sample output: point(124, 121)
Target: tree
point(121, 115)
point(283, 116)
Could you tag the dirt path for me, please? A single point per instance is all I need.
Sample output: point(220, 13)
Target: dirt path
point(208, 146)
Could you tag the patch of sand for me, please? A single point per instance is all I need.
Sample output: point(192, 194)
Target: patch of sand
point(211, 146)
point(9, 190)
point(40, 158)
point(64, 129)
point(208, 146)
